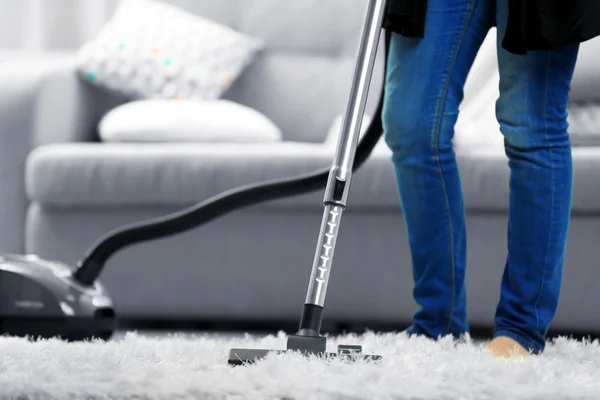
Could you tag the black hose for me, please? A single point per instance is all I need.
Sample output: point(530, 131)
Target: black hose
point(92, 264)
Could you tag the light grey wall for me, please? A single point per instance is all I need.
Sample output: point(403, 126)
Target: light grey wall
point(51, 24)
point(12, 12)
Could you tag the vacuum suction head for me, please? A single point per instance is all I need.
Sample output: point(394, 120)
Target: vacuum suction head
point(40, 300)
point(306, 345)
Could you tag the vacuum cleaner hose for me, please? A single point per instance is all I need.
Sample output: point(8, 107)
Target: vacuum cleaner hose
point(90, 267)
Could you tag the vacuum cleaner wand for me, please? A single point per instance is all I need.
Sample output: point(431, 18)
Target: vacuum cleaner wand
point(336, 179)
point(308, 339)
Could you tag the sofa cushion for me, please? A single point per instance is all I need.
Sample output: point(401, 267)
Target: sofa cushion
point(175, 175)
point(485, 176)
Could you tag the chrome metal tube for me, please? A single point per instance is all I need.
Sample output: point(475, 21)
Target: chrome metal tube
point(338, 185)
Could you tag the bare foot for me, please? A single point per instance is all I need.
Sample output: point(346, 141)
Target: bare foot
point(503, 346)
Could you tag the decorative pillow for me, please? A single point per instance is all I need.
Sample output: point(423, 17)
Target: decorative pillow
point(151, 49)
point(164, 120)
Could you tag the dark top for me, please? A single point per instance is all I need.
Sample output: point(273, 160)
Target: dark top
point(532, 24)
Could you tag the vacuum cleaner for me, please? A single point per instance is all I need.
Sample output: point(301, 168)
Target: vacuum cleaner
point(49, 299)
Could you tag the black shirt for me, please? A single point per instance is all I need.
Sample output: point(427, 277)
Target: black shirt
point(532, 24)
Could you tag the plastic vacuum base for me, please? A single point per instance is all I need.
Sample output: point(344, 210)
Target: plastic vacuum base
point(306, 345)
point(66, 328)
point(248, 356)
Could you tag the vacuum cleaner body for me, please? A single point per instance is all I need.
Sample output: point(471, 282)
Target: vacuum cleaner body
point(39, 299)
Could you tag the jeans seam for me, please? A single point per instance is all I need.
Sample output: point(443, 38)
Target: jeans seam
point(435, 146)
point(551, 216)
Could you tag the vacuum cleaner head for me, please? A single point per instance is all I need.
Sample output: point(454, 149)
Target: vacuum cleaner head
point(40, 300)
point(308, 345)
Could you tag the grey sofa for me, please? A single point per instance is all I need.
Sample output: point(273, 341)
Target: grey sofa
point(62, 188)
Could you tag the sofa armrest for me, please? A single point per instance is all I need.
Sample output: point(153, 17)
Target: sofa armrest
point(41, 101)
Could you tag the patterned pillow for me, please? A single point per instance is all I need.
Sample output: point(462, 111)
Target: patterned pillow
point(151, 49)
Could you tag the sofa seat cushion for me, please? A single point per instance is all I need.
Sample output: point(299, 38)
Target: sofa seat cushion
point(91, 175)
point(485, 177)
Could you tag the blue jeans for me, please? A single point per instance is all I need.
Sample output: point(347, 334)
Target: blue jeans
point(424, 87)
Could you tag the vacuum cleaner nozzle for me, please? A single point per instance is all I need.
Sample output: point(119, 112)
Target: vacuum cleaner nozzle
point(305, 345)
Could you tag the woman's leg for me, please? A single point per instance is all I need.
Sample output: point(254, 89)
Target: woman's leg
point(424, 87)
point(532, 112)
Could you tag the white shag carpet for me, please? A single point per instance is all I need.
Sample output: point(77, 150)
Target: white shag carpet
point(195, 367)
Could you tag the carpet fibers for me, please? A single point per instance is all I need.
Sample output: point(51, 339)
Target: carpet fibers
point(195, 367)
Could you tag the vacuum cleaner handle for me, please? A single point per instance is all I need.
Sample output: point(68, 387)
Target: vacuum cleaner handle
point(347, 159)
